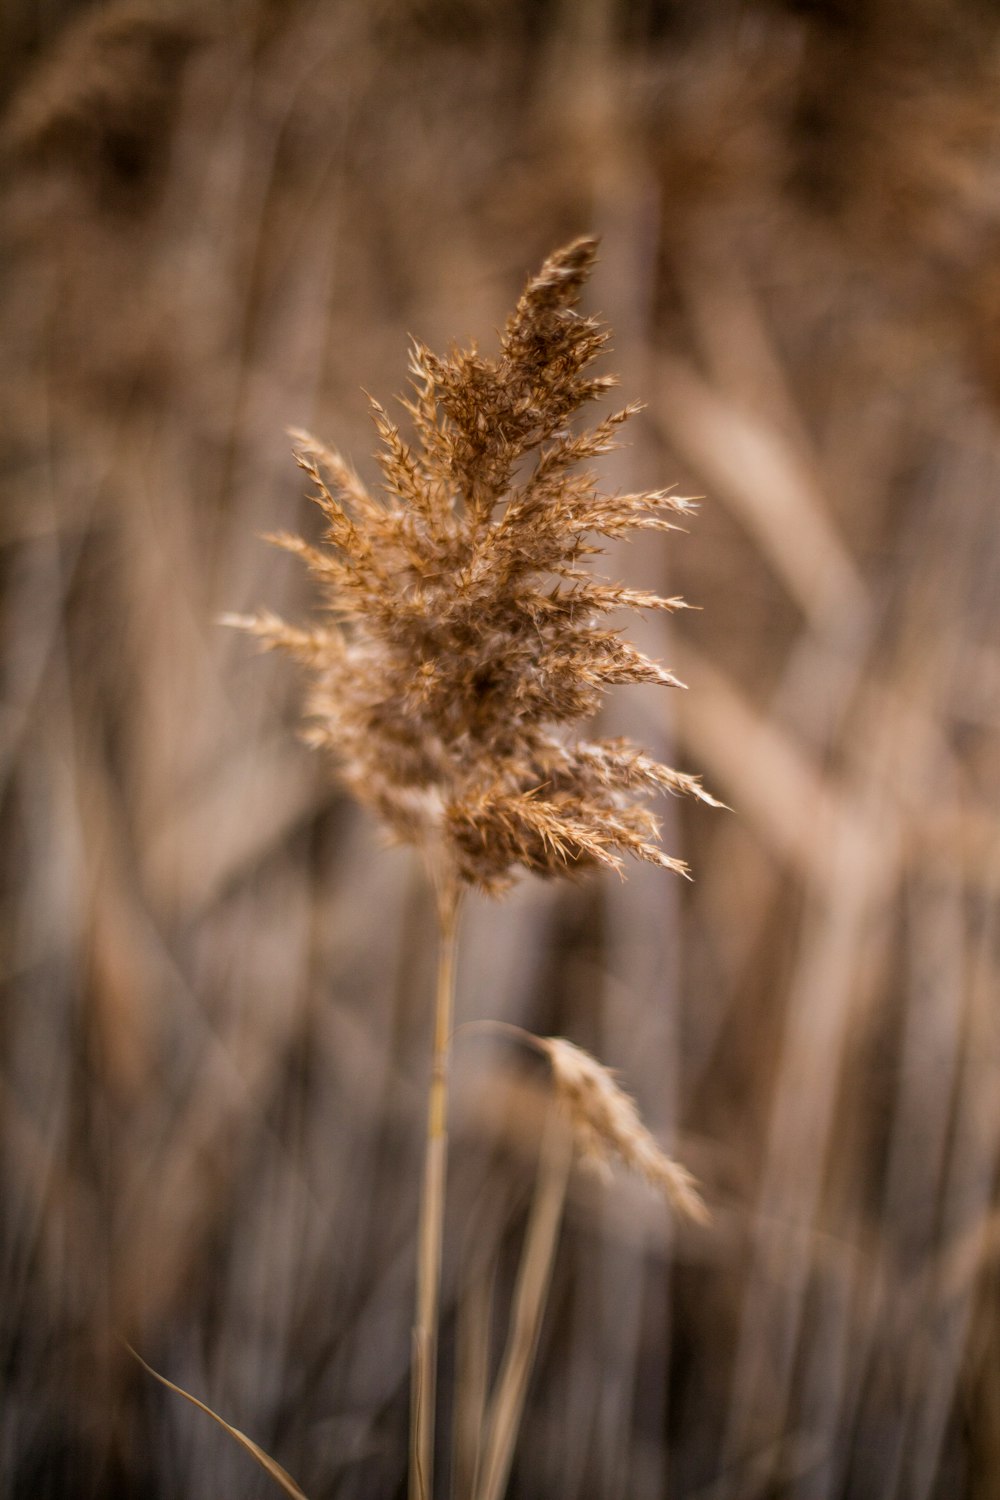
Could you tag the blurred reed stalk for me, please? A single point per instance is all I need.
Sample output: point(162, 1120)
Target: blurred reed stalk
point(503, 1417)
point(423, 1394)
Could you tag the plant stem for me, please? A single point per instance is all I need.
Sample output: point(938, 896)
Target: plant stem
point(533, 1279)
point(425, 1332)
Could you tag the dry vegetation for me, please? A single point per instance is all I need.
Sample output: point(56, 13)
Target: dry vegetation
point(222, 221)
point(463, 645)
point(463, 639)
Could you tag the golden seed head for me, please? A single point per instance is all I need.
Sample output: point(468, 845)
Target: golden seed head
point(464, 640)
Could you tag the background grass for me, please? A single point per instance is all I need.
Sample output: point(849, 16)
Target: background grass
point(222, 220)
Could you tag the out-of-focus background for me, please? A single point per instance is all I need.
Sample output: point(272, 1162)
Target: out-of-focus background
point(220, 220)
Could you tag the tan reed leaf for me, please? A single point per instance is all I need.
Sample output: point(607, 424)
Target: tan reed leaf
point(464, 640)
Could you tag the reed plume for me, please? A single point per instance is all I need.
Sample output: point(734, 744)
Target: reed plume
point(465, 641)
point(606, 1128)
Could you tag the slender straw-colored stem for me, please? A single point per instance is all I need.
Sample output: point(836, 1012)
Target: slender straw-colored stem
point(533, 1278)
point(472, 1375)
point(425, 1332)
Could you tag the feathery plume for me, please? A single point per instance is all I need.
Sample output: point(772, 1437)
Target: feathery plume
point(606, 1126)
point(465, 641)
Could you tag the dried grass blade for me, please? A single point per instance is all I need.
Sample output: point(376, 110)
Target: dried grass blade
point(267, 1463)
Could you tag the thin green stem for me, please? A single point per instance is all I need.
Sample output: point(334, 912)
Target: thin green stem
point(425, 1331)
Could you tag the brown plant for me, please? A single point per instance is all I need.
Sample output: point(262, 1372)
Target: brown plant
point(466, 641)
point(466, 638)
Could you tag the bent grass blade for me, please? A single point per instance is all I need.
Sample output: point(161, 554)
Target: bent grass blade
point(267, 1463)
